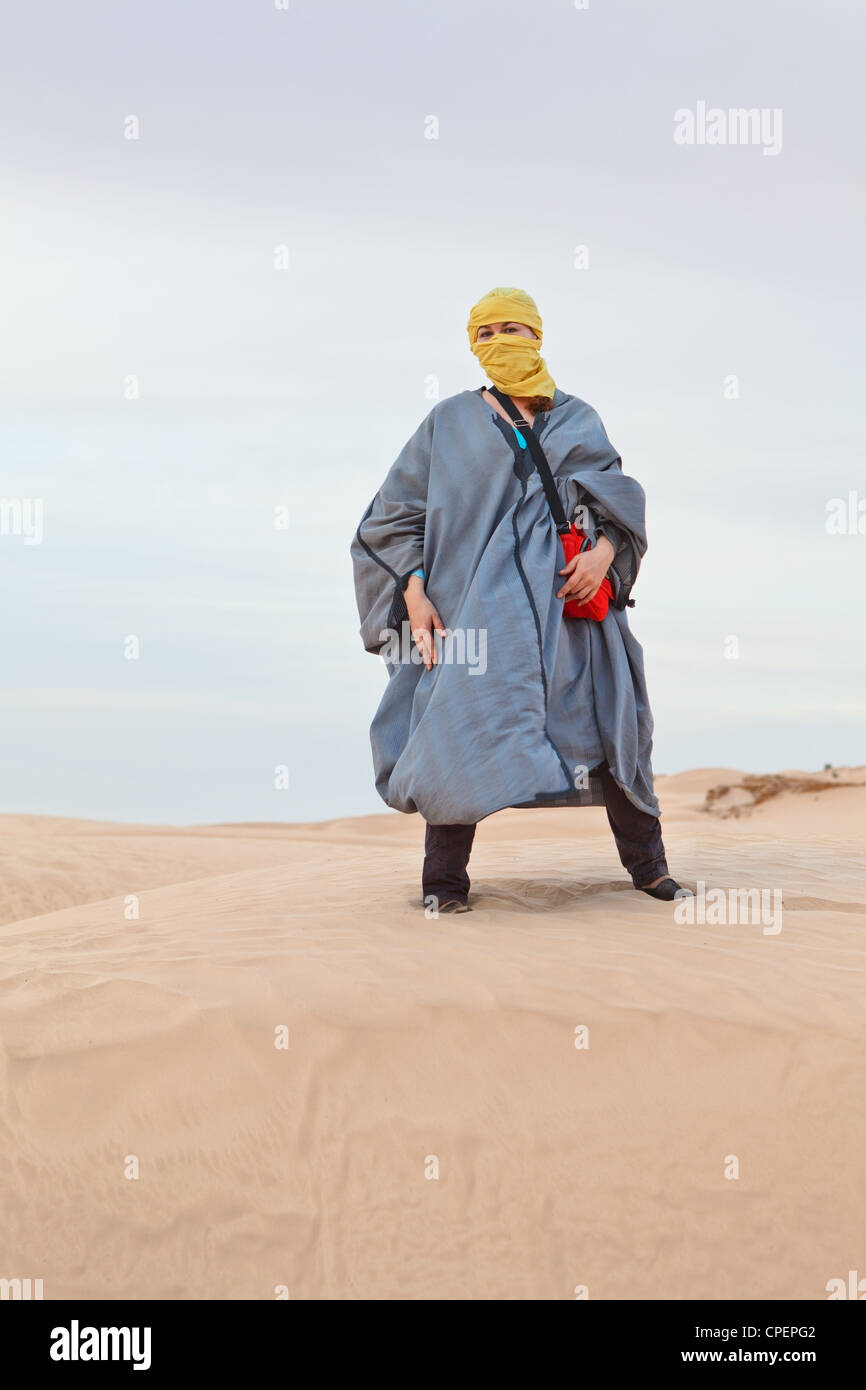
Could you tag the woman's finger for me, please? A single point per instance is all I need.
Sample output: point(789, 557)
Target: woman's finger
point(421, 636)
point(581, 589)
point(572, 585)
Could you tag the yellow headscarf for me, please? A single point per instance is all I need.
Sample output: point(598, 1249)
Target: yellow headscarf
point(513, 363)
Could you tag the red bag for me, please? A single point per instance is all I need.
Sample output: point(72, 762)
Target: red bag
point(573, 543)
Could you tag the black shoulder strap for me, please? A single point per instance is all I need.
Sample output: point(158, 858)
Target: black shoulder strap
point(538, 458)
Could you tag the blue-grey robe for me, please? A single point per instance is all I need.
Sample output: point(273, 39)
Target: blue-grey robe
point(553, 697)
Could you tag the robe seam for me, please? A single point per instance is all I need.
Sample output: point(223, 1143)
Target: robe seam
point(372, 554)
point(569, 780)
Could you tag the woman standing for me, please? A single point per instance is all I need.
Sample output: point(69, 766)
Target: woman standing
point(457, 555)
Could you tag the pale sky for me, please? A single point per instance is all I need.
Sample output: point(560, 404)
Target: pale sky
point(259, 387)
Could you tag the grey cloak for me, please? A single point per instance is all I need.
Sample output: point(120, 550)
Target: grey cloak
point(552, 697)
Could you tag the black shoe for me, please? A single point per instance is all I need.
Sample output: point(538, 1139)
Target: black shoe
point(667, 890)
point(454, 906)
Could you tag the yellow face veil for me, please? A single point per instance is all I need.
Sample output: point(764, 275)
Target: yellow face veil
point(513, 363)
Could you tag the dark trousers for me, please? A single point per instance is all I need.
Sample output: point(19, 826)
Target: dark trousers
point(638, 837)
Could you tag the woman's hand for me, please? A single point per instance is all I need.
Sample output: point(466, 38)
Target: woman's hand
point(586, 571)
point(423, 619)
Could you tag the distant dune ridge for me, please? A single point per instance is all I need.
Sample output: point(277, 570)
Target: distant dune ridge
point(239, 1062)
point(739, 798)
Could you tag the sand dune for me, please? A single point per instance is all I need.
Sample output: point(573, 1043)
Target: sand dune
point(414, 1043)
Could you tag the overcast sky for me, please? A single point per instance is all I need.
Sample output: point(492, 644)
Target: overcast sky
point(152, 264)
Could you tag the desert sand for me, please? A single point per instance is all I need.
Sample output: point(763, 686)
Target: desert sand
point(431, 1130)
